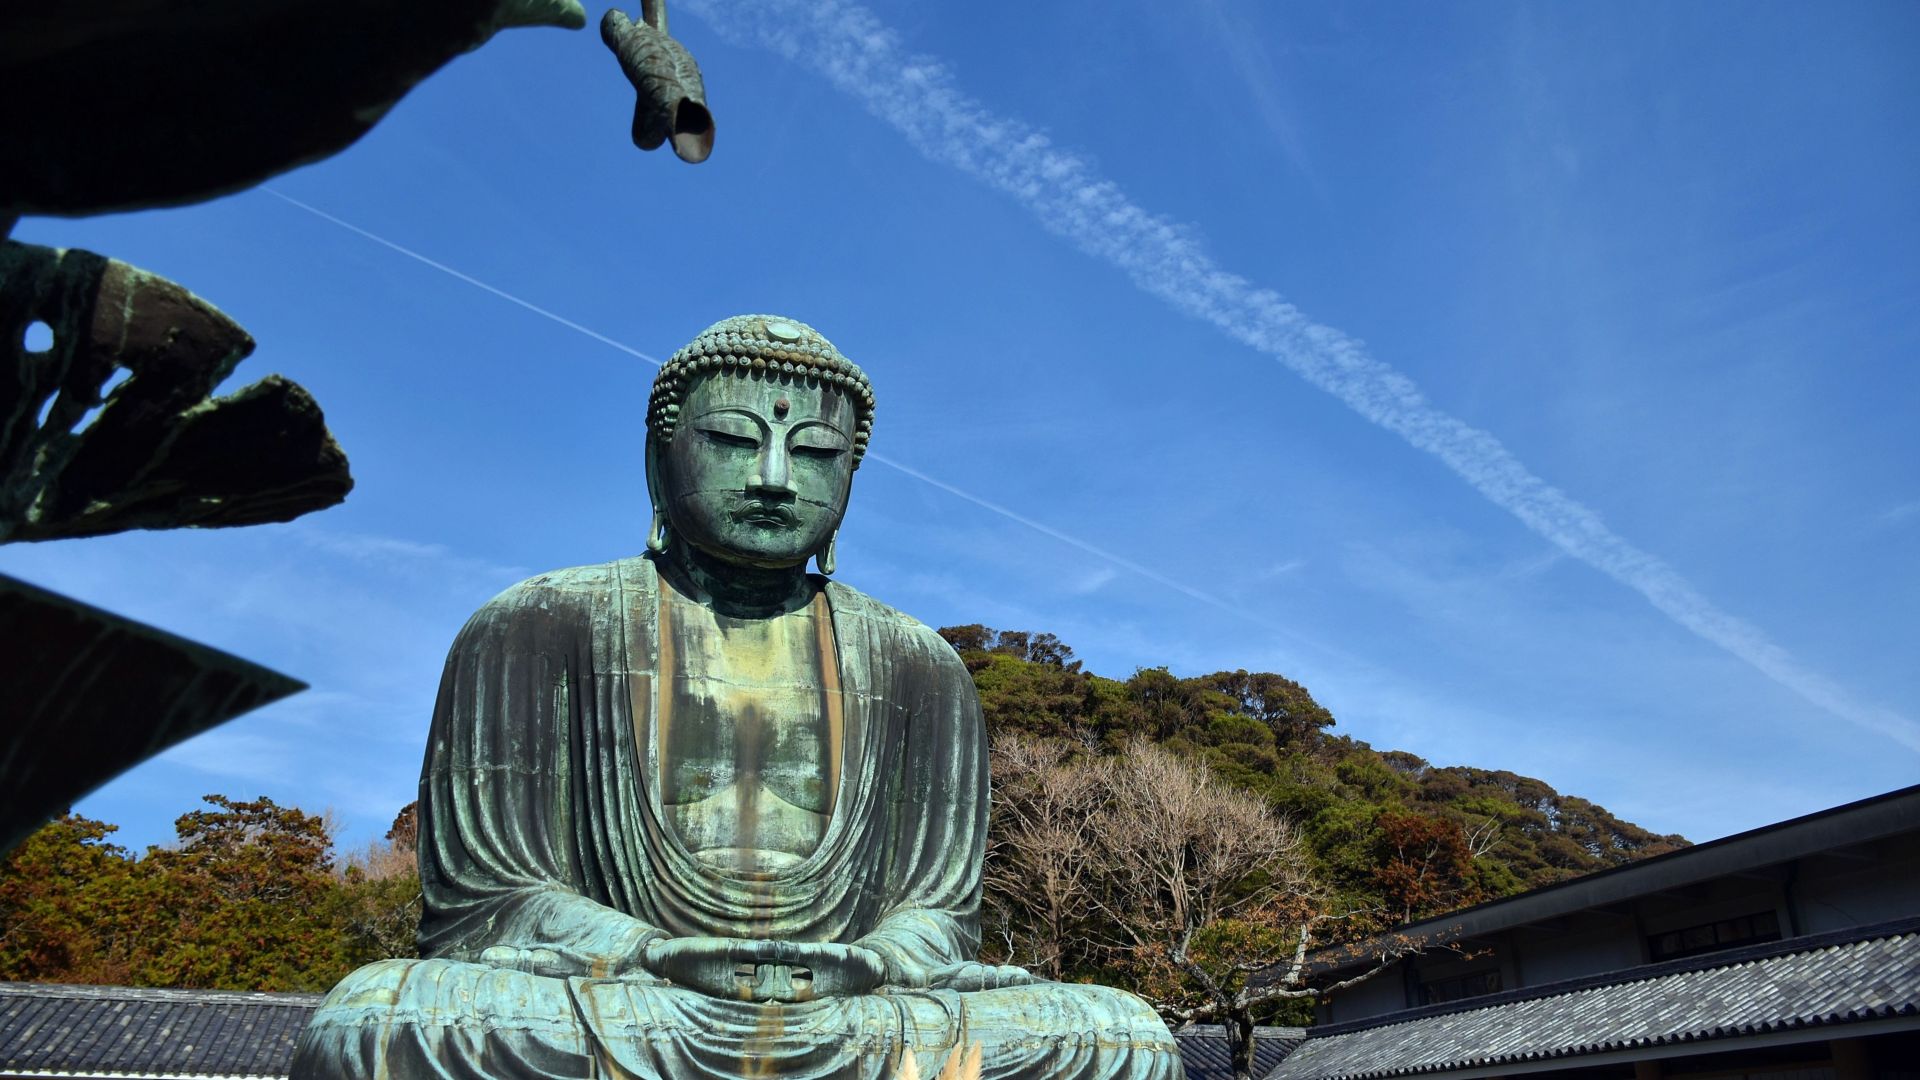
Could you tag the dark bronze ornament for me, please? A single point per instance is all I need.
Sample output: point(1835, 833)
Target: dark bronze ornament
point(118, 104)
point(107, 419)
point(112, 425)
point(107, 422)
point(89, 693)
point(672, 102)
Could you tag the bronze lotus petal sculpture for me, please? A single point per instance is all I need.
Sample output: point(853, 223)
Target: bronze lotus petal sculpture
point(672, 102)
point(111, 424)
point(115, 425)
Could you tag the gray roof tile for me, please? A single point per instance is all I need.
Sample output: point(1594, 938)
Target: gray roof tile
point(1205, 1053)
point(95, 1030)
point(1863, 974)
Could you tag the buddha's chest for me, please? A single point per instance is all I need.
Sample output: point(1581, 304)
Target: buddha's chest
point(747, 744)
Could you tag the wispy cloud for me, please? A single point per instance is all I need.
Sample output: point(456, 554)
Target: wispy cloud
point(1278, 570)
point(1248, 54)
point(1092, 581)
point(919, 97)
point(251, 756)
point(1535, 565)
point(1907, 511)
point(396, 555)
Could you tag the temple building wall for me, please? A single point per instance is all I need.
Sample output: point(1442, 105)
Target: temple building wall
point(1872, 883)
point(1791, 952)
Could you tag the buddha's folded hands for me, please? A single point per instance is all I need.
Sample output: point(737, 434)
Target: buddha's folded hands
point(967, 977)
point(763, 970)
point(970, 977)
point(556, 964)
point(543, 962)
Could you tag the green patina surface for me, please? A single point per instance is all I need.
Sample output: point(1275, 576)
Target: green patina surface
point(702, 813)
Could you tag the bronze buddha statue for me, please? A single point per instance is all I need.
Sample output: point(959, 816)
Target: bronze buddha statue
point(701, 813)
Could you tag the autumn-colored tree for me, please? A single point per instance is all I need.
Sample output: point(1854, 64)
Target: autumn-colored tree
point(1423, 866)
point(404, 834)
point(64, 895)
point(247, 900)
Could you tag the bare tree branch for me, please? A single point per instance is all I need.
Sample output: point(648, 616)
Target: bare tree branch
point(1151, 862)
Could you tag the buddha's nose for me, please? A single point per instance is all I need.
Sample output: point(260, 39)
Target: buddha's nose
point(775, 474)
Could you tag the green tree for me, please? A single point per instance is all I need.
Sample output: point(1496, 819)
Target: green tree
point(1282, 705)
point(247, 900)
point(1265, 734)
point(382, 894)
point(1027, 682)
point(972, 637)
point(65, 894)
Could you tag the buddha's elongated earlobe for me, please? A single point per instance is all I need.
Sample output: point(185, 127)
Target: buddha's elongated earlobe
point(657, 535)
point(825, 555)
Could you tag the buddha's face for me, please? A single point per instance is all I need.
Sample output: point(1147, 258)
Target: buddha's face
point(758, 469)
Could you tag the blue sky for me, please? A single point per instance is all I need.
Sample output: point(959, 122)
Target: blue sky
point(1535, 383)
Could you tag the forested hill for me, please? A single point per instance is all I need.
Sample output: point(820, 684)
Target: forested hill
point(1387, 830)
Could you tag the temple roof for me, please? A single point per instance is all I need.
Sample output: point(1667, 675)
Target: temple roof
point(1206, 1056)
point(100, 1031)
point(1855, 976)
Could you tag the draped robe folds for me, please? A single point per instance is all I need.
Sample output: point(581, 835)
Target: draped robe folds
point(547, 863)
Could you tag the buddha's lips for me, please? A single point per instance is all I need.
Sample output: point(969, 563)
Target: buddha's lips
point(759, 513)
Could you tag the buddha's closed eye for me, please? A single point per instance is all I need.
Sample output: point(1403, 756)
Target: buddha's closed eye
point(730, 438)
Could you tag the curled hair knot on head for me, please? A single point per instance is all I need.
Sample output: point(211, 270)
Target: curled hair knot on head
point(760, 346)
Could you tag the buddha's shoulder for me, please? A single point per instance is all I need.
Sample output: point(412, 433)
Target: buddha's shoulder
point(575, 586)
point(850, 603)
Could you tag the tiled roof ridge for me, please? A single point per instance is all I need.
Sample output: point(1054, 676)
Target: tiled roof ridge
point(1622, 976)
point(1204, 1052)
point(1260, 1031)
point(133, 1075)
point(92, 992)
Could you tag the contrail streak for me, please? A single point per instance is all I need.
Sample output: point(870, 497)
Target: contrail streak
point(919, 96)
point(1073, 541)
point(959, 493)
point(451, 272)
